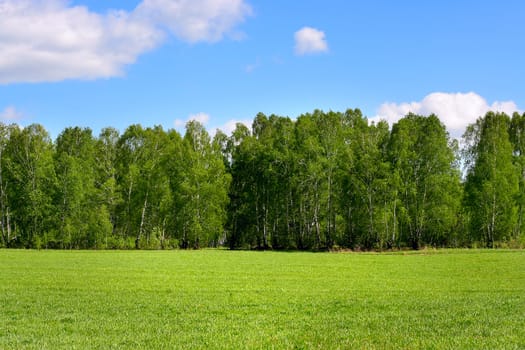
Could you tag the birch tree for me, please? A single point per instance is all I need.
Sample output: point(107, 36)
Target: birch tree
point(492, 183)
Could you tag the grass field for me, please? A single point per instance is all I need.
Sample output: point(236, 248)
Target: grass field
point(224, 299)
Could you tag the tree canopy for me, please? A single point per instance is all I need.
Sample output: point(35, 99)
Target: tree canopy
point(326, 180)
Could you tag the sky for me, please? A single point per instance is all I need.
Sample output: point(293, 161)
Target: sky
point(98, 63)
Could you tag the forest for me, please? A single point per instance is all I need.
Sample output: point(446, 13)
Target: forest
point(326, 180)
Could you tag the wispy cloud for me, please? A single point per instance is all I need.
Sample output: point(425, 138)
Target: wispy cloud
point(309, 41)
point(11, 115)
point(51, 40)
point(455, 110)
point(249, 68)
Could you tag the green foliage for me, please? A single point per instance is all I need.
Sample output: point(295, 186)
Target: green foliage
point(5, 207)
point(32, 184)
point(366, 199)
point(330, 178)
point(517, 138)
point(429, 185)
point(492, 184)
point(327, 180)
point(83, 221)
point(219, 299)
point(200, 192)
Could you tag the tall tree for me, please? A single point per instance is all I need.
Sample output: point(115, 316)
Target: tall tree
point(261, 174)
point(331, 138)
point(517, 137)
point(241, 209)
point(307, 182)
point(320, 145)
point(82, 221)
point(201, 192)
point(5, 209)
point(492, 180)
point(144, 185)
point(106, 178)
point(424, 162)
point(365, 203)
point(32, 186)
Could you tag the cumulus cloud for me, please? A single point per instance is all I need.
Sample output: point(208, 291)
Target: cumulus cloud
point(10, 115)
point(456, 110)
point(310, 40)
point(49, 40)
point(193, 21)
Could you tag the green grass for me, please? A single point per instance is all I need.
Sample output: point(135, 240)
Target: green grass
point(221, 299)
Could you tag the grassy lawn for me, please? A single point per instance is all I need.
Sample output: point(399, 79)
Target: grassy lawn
point(222, 299)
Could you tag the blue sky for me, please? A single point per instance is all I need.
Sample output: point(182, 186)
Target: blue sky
point(82, 63)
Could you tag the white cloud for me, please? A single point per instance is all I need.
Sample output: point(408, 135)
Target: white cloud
point(205, 119)
point(10, 115)
point(49, 40)
point(179, 123)
point(197, 20)
point(310, 40)
point(231, 125)
point(455, 110)
point(202, 118)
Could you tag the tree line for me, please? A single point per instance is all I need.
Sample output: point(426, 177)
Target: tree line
point(326, 180)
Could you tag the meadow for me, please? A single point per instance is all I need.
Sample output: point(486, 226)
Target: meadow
point(241, 299)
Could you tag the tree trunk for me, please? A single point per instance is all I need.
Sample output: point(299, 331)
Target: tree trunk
point(490, 231)
point(3, 206)
point(141, 227)
point(265, 228)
